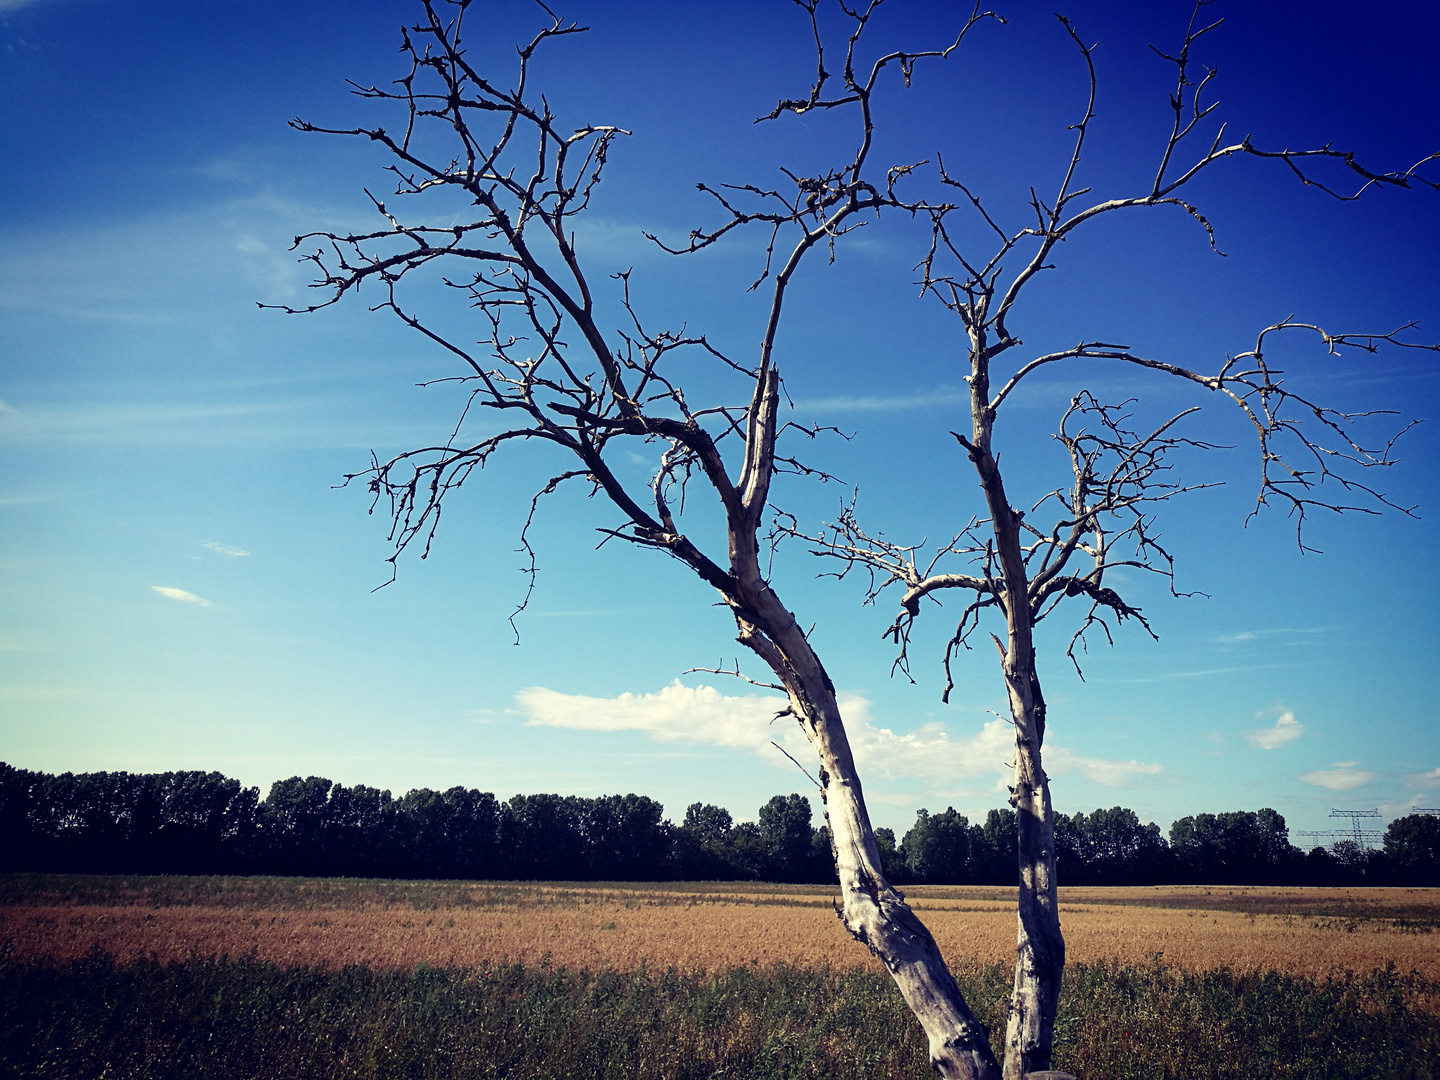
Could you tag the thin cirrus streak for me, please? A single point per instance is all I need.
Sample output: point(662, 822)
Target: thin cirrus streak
point(1200, 674)
point(944, 395)
point(227, 550)
point(184, 596)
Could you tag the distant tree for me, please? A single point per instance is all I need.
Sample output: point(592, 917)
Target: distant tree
point(708, 824)
point(450, 834)
point(889, 857)
point(294, 814)
point(747, 853)
point(1319, 868)
point(206, 823)
point(1245, 847)
point(360, 832)
point(821, 863)
point(937, 848)
point(198, 822)
point(1355, 864)
point(1110, 847)
point(1412, 845)
point(992, 847)
point(627, 837)
point(702, 844)
point(21, 849)
point(543, 839)
point(788, 837)
point(175, 822)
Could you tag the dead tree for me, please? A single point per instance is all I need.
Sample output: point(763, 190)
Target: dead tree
point(560, 366)
point(1021, 564)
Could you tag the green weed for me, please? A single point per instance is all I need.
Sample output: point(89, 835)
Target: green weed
point(232, 1019)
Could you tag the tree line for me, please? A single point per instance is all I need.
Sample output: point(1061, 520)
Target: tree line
point(206, 823)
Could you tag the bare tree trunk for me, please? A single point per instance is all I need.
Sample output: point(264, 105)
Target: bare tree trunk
point(1039, 948)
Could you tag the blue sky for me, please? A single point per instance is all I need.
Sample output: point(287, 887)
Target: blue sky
point(182, 584)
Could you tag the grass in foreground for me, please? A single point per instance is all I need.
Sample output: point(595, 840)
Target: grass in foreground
point(225, 1019)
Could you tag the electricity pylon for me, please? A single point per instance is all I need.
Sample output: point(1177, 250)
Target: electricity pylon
point(1362, 836)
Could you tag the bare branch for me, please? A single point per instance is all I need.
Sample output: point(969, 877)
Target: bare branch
point(735, 673)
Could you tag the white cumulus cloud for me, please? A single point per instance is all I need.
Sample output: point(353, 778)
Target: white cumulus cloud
point(1284, 730)
point(702, 714)
point(1344, 777)
point(676, 713)
point(1060, 760)
point(181, 595)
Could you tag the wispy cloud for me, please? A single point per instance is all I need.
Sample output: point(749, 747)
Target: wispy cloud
point(208, 420)
point(1344, 777)
point(181, 595)
point(1241, 636)
point(945, 395)
point(1199, 674)
point(110, 420)
point(226, 550)
point(581, 613)
point(1285, 729)
point(174, 275)
point(702, 714)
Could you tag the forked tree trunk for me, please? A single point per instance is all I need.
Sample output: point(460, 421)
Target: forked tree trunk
point(871, 909)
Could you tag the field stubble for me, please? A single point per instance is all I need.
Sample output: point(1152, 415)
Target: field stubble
point(703, 927)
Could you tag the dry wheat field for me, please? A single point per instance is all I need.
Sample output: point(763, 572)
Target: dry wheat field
point(699, 927)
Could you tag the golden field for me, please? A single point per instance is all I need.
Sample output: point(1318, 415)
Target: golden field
point(694, 927)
